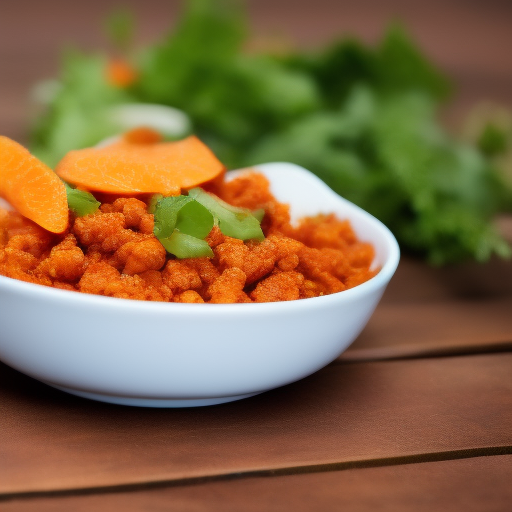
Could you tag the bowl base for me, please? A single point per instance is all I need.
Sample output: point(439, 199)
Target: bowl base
point(152, 402)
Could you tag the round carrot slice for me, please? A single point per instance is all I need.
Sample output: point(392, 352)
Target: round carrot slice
point(32, 187)
point(124, 167)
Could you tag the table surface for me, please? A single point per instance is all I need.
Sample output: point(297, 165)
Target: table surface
point(415, 415)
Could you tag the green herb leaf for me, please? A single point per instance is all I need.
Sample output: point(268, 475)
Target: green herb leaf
point(182, 222)
point(80, 202)
point(186, 246)
point(183, 213)
point(235, 222)
point(195, 220)
point(153, 202)
point(166, 214)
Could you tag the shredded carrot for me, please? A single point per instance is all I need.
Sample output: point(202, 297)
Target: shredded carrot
point(125, 167)
point(32, 187)
point(120, 73)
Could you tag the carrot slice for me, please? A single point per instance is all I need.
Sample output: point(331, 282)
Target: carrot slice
point(120, 73)
point(123, 167)
point(142, 135)
point(32, 187)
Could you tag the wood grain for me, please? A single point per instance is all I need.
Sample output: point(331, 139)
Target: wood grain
point(365, 412)
point(467, 484)
point(419, 329)
point(416, 282)
point(388, 418)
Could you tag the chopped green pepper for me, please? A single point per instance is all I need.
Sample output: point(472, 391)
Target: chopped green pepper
point(235, 222)
point(259, 214)
point(153, 202)
point(182, 222)
point(80, 202)
point(166, 214)
point(183, 213)
point(194, 220)
point(186, 246)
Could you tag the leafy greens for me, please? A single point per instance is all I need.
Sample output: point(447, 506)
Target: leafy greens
point(363, 119)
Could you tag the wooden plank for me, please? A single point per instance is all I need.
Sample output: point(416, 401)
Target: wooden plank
point(364, 412)
point(435, 328)
point(415, 281)
point(466, 485)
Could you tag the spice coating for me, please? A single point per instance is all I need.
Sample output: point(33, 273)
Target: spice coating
point(114, 252)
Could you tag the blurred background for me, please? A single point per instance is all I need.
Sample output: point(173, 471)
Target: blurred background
point(388, 121)
point(469, 39)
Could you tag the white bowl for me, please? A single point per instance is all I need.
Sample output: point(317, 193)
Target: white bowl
point(181, 355)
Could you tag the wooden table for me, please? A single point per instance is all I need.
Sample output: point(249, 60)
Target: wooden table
point(416, 415)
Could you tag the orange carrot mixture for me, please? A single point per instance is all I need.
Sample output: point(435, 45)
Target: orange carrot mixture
point(114, 252)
